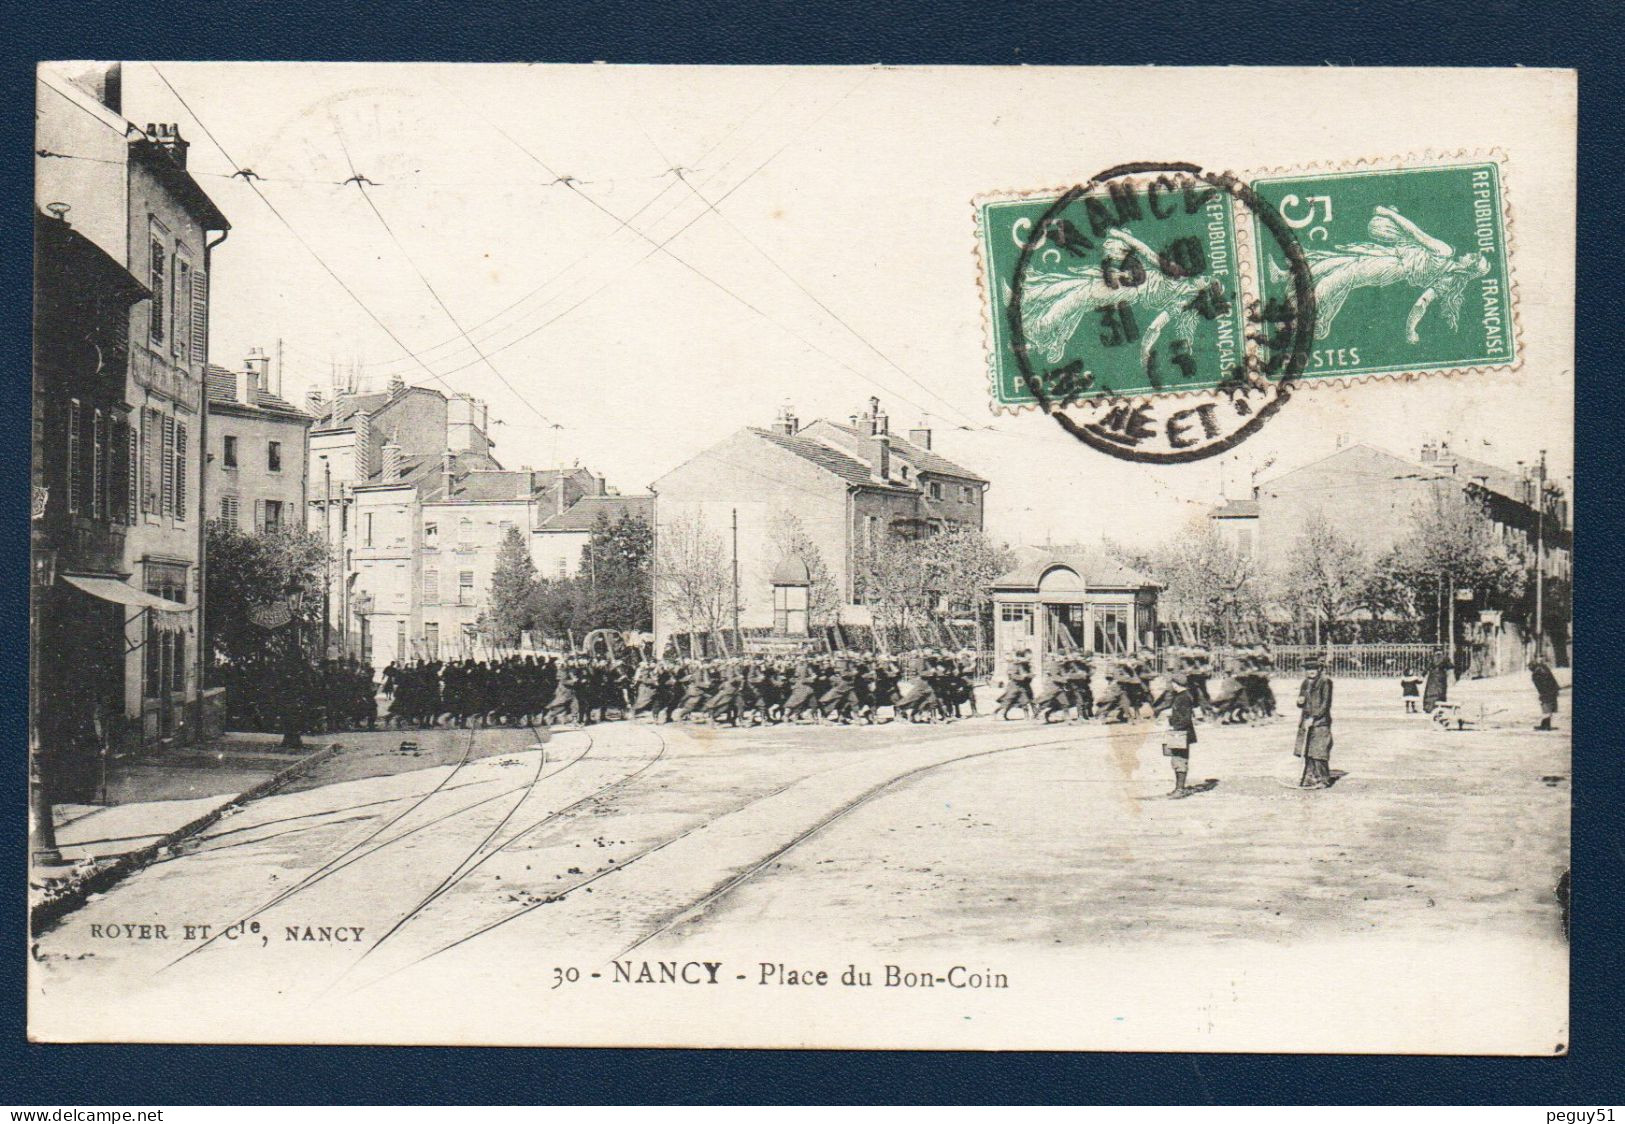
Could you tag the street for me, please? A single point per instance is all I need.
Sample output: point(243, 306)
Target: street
point(384, 880)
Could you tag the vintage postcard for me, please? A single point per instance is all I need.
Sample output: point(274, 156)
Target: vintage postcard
point(860, 557)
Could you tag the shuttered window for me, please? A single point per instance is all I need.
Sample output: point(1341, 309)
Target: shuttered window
point(181, 337)
point(431, 587)
point(152, 476)
point(155, 281)
point(118, 470)
point(167, 467)
point(98, 465)
point(75, 456)
point(180, 471)
point(200, 316)
point(228, 511)
point(132, 471)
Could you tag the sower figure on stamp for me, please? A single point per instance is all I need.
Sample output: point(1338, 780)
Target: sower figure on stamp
point(1314, 743)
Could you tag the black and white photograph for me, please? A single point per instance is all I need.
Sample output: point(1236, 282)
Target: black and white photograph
point(833, 557)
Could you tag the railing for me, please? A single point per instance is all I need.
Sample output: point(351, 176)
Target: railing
point(1346, 661)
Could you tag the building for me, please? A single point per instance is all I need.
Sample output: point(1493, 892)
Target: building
point(1375, 494)
point(846, 484)
point(255, 474)
point(557, 543)
point(1378, 492)
point(373, 458)
point(126, 190)
point(1052, 604)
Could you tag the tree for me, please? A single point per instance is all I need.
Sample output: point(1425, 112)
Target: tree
point(693, 579)
point(895, 582)
point(1326, 573)
point(1208, 583)
point(961, 565)
point(615, 564)
point(258, 571)
point(511, 607)
point(790, 536)
point(1452, 544)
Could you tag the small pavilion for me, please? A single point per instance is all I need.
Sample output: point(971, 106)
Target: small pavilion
point(1053, 604)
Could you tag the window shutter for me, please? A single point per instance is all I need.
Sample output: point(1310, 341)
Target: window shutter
point(118, 449)
point(259, 516)
point(166, 505)
point(98, 465)
point(180, 471)
point(75, 456)
point(200, 316)
point(132, 469)
point(155, 281)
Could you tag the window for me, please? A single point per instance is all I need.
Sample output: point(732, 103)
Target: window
point(905, 472)
point(431, 638)
point(273, 456)
point(431, 587)
point(132, 469)
point(871, 531)
point(228, 451)
point(75, 456)
point(1021, 616)
point(934, 489)
point(431, 536)
point(98, 466)
point(180, 471)
point(119, 495)
point(400, 640)
point(228, 511)
point(181, 337)
point(164, 654)
point(465, 587)
point(167, 466)
point(366, 528)
point(967, 494)
point(155, 280)
point(273, 515)
point(504, 527)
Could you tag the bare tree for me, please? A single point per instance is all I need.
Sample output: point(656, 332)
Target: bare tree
point(1327, 574)
point(693, 578)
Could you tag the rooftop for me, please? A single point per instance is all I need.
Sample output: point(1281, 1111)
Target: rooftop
point(922, 459)
point(1097, 572)
point(584, 513)
point(222, 386)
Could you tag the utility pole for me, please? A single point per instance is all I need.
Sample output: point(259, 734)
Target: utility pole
point(1540, 558)
point(737, 638)
point(327, 556)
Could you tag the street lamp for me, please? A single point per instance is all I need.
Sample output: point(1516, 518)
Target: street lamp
point(293, 686)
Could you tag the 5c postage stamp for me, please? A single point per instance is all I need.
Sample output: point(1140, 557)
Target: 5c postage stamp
point(1163, 313)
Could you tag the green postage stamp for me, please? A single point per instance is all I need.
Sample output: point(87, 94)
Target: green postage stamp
point(1162, 313)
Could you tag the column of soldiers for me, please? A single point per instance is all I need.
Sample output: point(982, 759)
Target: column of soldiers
point(1085, 685)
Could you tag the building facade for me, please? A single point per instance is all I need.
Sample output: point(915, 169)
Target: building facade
point(127, 191)
point(842, 485)
point(1052, 605)
point(255, 475)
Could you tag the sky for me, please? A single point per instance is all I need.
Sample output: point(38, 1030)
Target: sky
point(647, 259)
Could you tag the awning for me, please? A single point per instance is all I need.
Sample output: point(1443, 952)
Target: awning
point(166, 614)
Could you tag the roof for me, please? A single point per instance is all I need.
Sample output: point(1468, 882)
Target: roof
point(847, 467)
point(792, 571)
point(923, 459)
point(489, 484)
point(222, 386)
point(337, 414)
point(1493, 477)
point(1237, 509)
point(1450, 466)
point(583, 514)
point(1097, 572)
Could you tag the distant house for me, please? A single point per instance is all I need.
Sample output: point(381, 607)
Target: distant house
point(556, 542)
point(254, 471)
point(847, 483)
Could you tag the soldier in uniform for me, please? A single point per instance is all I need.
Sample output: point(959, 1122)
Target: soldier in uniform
point(1019, 692)
point(1314, 743)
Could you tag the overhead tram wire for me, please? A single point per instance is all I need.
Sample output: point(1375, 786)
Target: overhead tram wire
point(361, 182)
point(351, 293)
point(572, 183)
point(663, 246)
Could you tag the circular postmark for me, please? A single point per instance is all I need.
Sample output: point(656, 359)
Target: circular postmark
point(1132, 320)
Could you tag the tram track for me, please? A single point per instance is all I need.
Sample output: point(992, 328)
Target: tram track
point(344, 858)
point(710, 897)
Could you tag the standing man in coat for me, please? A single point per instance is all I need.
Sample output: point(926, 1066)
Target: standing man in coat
point(1180, 701)
point(1314, 743)
point(1545, 687)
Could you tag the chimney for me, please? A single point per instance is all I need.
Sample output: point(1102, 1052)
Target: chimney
point(448, 470)
point(313, 402)
point(787, 423)
point(243, 387)
point(921, 436)
point(882, 423)
point(600, 485)
point(882, 461)
point(258, 365)
point(168, 138)
point(392, 460)
point(396, 384)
